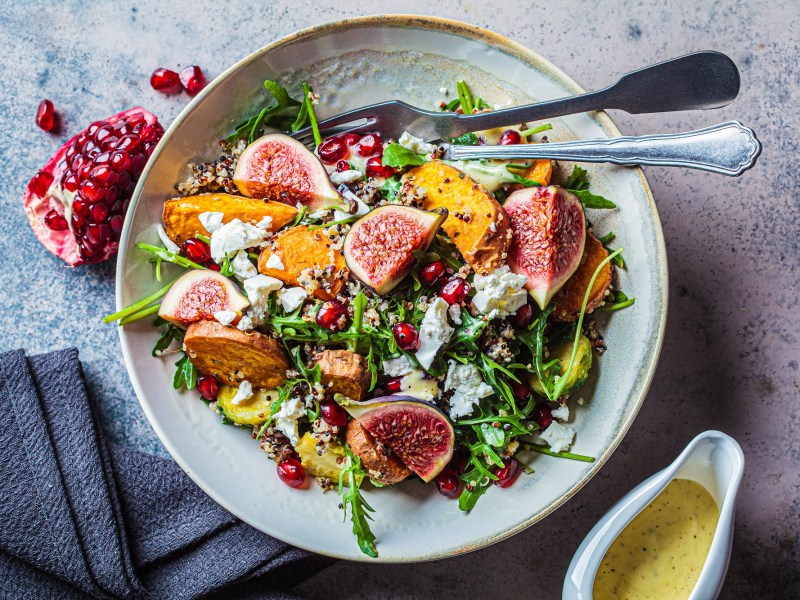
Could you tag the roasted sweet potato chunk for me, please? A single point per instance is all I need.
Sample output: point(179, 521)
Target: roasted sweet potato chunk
point(476, 223)
point(569, 300)
point(233, 356)
point(381, 465)
point(541, 171)
point(344, 372)
point(300, 251)
point(180, 214)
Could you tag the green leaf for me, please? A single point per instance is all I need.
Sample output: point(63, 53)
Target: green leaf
point(577, 179)
point(525, 181)
point(185, 374)
point(170, 334)
point(397, 156)
point(353, 475)
point(493, 435)
point(391, 188)
point(452, 105)
point(590, 200)
point(278, 105)
point(468, 139)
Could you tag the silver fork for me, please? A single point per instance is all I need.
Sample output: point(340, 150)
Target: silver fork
point(696, 81)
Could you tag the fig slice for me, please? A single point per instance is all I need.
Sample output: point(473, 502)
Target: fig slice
point(197, 295)
point(379, 248)
point(416, 431)
point(549, 233)
point(277, 167)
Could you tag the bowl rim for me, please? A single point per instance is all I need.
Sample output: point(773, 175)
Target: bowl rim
point(495, 41)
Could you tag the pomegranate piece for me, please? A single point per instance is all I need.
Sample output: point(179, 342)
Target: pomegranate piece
point(192, 79)
point(333, 414)
point(342, 166)
point(543, 416)
point(432, 272)
point(455, 290)
point(291, 472)
point(520, 390)
point(196, 250)
point(376, 168)
point(208, 387)
point(332, 315)
point(165, 81)
point(523, 317)
point(507, 475)
point(394, 385)
point(332, 150)
point(351, 139)
point(81, 177)
point(370, 144)
point(510, 137)
point(46, 115)
point(448, 483)
point(406, 336)
point(55, 221)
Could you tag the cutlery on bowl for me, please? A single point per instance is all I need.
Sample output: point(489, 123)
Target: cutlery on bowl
point(701, 80)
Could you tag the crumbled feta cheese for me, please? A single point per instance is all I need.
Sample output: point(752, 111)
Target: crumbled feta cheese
point(233, 236)
point(434, 333)
point(226, 317)
point(292, 298)
point(265, 223)
point(468, 388)
point(397, 367)
point(415, 144)
point(274, 262)
point(258, 289)
point(243, 392)
point(455, 313)
point(500, 291)
point(558, 437)
point(242, 266)
point(348, 176)
point(443, 91)
point(168, 243)
point(320, 213)
point(246, 323)
point(211, 220)
point(286, 418)
point(561, 413)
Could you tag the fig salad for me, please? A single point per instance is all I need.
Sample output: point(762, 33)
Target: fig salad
point(372, 314)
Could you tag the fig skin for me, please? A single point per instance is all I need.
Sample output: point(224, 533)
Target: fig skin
point(278, 167)
point(197, 295)
point(381, 466)
point(549, 233)
point(379, 247)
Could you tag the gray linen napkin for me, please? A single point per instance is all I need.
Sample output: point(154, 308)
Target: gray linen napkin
point(80, 517)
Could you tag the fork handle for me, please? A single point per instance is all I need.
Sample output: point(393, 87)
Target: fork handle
point(728, 149)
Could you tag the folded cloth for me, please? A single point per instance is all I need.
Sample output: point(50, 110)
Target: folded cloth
point(80, 517)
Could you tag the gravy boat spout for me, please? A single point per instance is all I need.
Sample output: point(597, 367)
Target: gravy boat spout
point(712, 459)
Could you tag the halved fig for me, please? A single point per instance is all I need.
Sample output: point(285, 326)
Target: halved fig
point(379, 246)
point(416, 431)
point(549, 232)
point(197, 295)
point(277, 167)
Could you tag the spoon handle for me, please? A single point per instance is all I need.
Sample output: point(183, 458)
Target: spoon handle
point(728, 149)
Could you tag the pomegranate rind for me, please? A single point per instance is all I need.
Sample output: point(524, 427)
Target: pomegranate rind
point(62, 243)
point(278, 167)
point(548, 236)
point(197, 295)
point(417, 432)
point(379, 248)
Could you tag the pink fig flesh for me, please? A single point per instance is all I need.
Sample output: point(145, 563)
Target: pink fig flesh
point(416, 431)
point(549, 232)
point(379, 248)
point(197, 295)
point(278, 167)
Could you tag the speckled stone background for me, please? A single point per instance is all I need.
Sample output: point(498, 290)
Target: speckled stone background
point(730, 358)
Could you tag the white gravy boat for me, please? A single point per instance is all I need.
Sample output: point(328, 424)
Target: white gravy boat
point(713, 459)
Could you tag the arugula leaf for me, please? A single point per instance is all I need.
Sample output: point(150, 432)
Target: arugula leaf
point(525, 181)
point(170, 334)
point(397, 156)
point(577, 180)
point(185, 374)
point(493, 435)
point(353, 474)
point(591, 200)
point(620, 301)
point(468, 139)
point(279, 104)
point(391, 188)
point(168, 256)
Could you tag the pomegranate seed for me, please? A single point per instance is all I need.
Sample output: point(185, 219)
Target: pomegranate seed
point(196, 250)
point(543, 416)
point(213, 266)
point(46, 115)
point(508, 474)
point(137, 163)
point(165, 81)
point(333, 414)
point(430, 273)
point(510, 137)
point(79, 207)
point(120, 161)
point(376, 168)
point(394, 385)
point(97, 234)
point(90, 190)
point(192, 79)
point(455, 290)
point(103, 175)
point(208, 387)
point(103, 159)
point(448, 483)
point(406, 336)
point(55, 221)
point(332, 150)
point(332, 315)
point(523, 317)
point(351, 139)
point(342, 166)
point(40, 183)
point(103, 133)
point(291, 472)
point(369, 144)
point(98, 213)
point(520, 390)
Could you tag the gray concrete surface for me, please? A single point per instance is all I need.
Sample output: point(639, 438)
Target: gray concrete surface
point(731, 353)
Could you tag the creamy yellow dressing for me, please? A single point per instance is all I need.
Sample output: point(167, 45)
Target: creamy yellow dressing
point(660, 554)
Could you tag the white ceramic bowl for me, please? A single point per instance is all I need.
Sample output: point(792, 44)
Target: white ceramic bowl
point(352, 63)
